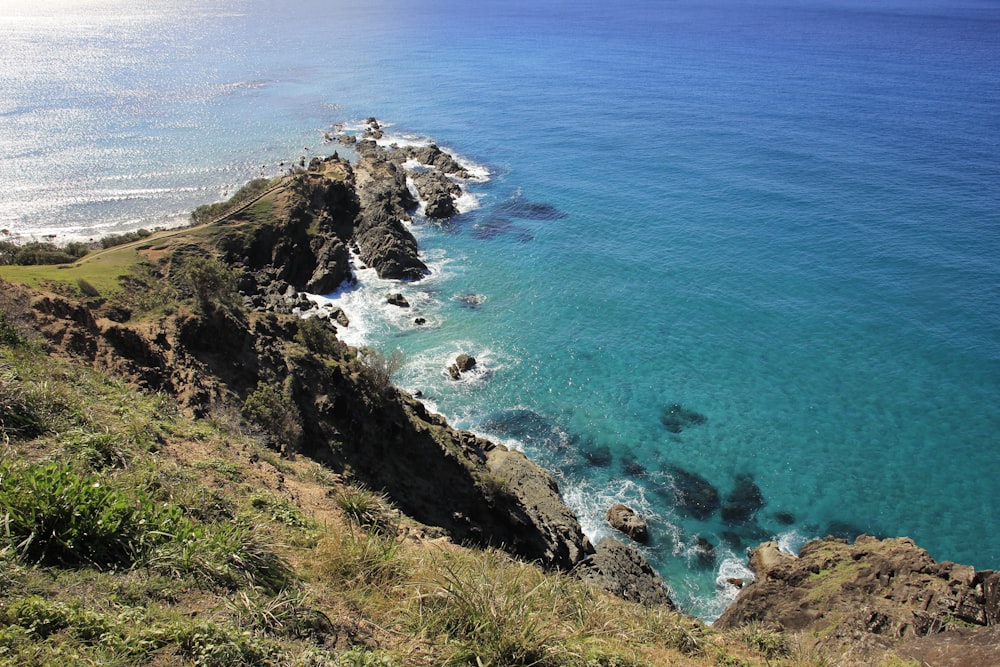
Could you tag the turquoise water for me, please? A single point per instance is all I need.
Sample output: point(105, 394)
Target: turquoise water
point(786, 219)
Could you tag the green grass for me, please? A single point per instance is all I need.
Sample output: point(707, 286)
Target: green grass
point(98, 270)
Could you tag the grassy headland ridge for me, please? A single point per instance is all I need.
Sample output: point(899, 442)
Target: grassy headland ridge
point(191, 473)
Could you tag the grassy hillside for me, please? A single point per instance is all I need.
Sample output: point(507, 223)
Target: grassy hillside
point(133, 534)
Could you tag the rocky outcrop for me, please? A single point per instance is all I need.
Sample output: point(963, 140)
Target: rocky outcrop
point(398, 300)
point(624, 519)
point(382, 240)
point(438, 193)
point(463, 364)
point(298, 238)
point(860, 600)
point(560, 540)
point(432, 156)
point(621, 570)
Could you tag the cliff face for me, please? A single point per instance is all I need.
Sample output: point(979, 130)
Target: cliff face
point(345, 412)
point(860, 600)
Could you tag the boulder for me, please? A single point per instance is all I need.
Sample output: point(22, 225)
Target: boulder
point(622, 570)
point(624, 519)
point(340, 317)
point(463, 364)
point(397, 299)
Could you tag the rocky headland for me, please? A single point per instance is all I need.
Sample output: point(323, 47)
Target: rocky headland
point(346, 414)
point(244, 278)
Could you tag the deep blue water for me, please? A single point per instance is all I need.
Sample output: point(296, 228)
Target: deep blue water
point(785, 217)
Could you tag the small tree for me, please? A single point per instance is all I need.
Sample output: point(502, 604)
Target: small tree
point(275, 413)
point(318, 338)
point(212, 283)
point(379, 368)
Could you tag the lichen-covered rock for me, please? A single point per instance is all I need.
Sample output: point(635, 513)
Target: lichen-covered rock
point(555, 536)
point(860, 600)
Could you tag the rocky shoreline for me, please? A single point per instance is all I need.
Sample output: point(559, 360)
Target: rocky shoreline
point(855, 600)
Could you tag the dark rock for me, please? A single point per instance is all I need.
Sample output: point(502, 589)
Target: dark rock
point(438, 192)
point(624, 519)
point(463, 364)
point(397, 299)
point(743, 502)
point(432, 156)
point(382, 240)
point(784, 518)
point(332, 268)
point(599, 456)
point(706, 553)
point(622, 570)
point(419, 321)
point(677, 418)
point(692, 493)
point(528, 210)
point(735, 581)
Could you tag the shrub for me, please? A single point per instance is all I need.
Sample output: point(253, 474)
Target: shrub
point(212, 283)
point(209, 212)
point(361, 559)
point(275, 413)
point(769, 642)
point(227, 555)
point(491, 617)
point(98, 450)
point(318, 338)
point(379, 368)
point(113, 240)
point(9, 333)
point(365, 509)
point(285, 613)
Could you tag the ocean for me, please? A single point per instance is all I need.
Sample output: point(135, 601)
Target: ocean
point(750, 249)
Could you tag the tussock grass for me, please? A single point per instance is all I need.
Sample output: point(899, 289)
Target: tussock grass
point(131, 534)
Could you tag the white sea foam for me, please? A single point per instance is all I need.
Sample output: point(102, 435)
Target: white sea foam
point(467, 201)
point(792, 541)
point(364, 301)
point(731, 567)
point(590, 502)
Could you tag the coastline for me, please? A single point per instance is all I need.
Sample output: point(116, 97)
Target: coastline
point(426, 466)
